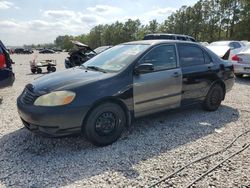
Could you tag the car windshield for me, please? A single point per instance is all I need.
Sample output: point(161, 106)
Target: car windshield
point(116, 58)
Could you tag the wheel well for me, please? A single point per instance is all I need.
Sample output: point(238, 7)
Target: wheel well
point(110, 100)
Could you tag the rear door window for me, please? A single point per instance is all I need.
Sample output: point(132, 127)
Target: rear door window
point(162, 57)
point(207, 58)
point(190, 55)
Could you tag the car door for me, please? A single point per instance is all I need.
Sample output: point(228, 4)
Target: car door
point(160, 88)
point(198, 72)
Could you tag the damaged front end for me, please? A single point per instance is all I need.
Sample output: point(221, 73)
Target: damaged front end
point(79, 55)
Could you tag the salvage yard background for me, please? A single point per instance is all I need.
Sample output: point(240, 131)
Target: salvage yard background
point(157, 145)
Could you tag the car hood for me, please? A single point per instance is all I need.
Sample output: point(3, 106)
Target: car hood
point(219, 50)
point(67, 80)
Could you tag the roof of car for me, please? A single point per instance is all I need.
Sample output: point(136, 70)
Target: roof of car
point(168, 34)
point(153, 42)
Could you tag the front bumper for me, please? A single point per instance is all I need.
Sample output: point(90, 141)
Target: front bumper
point(241, 68)
point(52, 121)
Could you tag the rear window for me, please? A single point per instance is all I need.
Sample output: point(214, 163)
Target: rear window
point(235, 45)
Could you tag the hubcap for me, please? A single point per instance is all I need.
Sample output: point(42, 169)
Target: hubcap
point(105, 123)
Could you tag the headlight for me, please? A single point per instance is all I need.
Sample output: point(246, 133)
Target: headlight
point(56, 98)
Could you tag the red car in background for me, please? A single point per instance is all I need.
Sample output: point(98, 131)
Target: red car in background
point(7, 76)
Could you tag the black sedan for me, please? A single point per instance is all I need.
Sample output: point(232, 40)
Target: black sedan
point(47, 51)
point(101, 97)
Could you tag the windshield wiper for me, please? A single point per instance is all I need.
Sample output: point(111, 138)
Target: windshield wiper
point(96, 68)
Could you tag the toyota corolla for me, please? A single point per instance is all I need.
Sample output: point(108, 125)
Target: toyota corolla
point(130, 80)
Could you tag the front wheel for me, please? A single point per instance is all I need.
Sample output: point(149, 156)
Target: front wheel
point(105, 124)
point(33, 70)
point(39, 70)
point(213, 98)
point(53, 69)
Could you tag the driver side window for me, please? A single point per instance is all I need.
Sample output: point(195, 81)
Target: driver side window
point(162, 57)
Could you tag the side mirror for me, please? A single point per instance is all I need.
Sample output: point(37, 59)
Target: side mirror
point(144, 68)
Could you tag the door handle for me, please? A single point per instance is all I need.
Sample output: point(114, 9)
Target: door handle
point(176, 74)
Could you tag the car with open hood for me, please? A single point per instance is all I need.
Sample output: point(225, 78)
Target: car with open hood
point(79, 55)
point(226, 49)
point(102, 96)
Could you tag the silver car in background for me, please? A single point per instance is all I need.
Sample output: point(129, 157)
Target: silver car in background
point(235, 47)
point(242, 62)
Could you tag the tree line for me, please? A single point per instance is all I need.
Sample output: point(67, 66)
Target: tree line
point(206, 20)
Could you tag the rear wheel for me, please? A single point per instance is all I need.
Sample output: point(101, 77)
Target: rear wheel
point(33, 71)
point(213, 98)
point(53, 69)
point(48, 68)
point(105, 124)
point(39, 70)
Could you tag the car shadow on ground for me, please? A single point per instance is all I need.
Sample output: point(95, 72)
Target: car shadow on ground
point(33, 161)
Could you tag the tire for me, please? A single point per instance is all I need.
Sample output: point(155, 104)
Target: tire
point(53, 69)
point(105, 124)
point(33, 71)
point(48, 68)
point(239, 75)
point(39, 70)
point(213, 98)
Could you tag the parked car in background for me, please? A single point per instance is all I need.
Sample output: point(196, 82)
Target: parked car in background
point(57, 49)
point(222, 51)
point(204, 43)
point(47, 51)
point(23, 51)
point(245, 42)
point(129, 80)
point(7, 76)
point(79, 55)
point(168, 36)
point(242, 62)
point(235, 46)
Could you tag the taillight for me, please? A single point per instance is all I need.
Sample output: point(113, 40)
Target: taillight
point(236, 58)
point(2, 61)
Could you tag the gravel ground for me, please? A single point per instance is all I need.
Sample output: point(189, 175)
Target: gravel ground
point(156, 146)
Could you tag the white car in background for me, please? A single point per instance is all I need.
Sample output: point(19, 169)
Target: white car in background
point(204, 43)
point(219, 47)
point(242, 62)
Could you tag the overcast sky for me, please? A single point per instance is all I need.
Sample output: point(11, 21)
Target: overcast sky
point(33, 21)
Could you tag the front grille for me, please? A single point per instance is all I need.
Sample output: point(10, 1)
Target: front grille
point(28, 97)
